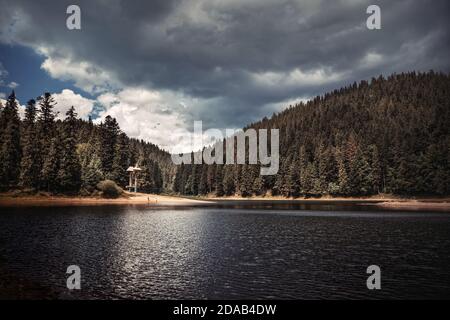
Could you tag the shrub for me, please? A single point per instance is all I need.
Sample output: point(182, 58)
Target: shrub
point(109, 189)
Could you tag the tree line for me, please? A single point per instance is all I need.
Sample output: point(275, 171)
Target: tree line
point(389, 135)
point(71, 156)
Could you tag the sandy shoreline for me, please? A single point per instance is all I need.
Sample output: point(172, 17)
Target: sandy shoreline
point(153, 200)
point(130, 199)
point(433, 204)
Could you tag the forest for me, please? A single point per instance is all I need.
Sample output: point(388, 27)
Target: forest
point(71, 156)
point(387, 135)
point(384, 136)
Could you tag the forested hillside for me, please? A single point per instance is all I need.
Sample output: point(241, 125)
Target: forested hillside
point(383, 136)
point(72, 156)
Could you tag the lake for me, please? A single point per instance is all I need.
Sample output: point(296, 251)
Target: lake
point(226, 252)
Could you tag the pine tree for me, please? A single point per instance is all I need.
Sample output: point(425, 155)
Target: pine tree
point(121, 161)
point(157, 179)
point(10, 153)
point(29, 167)
point(194, 179)
point(309, 179)
point(50, 168)
point(109, 132)
point(218, 185)
point(228, 180)
point(211, 177)
point(279, 184)
point(46, 116)
point(203, 183)
point(292, 180)
point(46, 133)
point(364, 171)
point(246, 183)
point(258, 186)
point(375, 173)
point(69, 173)
point(353, 162)
point(178, 184)
point(150, 176)
point(343, 181)
point(91, 166)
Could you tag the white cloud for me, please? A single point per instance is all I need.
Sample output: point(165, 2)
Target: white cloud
point(371, 60)
point(295, 78)
point(68, 98)
point(12, 85)
point(282, 105)
point(140, 114)
point(84, 74)
point(155, 116)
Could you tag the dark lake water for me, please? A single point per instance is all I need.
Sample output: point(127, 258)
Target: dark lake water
point(137, 252)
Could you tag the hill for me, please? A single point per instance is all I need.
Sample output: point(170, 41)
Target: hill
point(387, 135)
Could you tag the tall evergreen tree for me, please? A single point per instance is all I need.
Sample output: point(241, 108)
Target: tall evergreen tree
point(121, 161)
point(10, 153)
point(50, 168)
point(29, 168)
point(203, 183)
point(218, 186)
point(178, 184)
point(228, 180)
point(109, 132)
point(46, 133)
point(157, 179)
point(69, 173)
point(91, 166)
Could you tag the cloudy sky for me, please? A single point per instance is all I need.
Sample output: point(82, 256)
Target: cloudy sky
point(159, 65)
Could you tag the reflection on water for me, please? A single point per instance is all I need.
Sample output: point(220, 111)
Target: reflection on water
point(223, 253)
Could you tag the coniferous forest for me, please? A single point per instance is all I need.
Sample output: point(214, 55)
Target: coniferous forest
point(383, 136)
point(71, 156)
point(388, 135)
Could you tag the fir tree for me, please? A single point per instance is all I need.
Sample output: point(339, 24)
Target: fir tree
point(343, 181)
point(69, 173)
point(228, 180)
point(46, 132)
point(50, 168)
point(10, 152)
point(29, 167)
point(157, 179)
point(178, 184)
point(218, 185)
point(203, 184)
point(121, 161)
point(109, 132)
point(91, 166)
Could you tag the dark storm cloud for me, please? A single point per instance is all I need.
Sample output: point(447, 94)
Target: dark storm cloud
point(244, 56)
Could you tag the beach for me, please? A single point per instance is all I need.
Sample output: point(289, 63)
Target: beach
point(156, 200)
point(127, 199)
